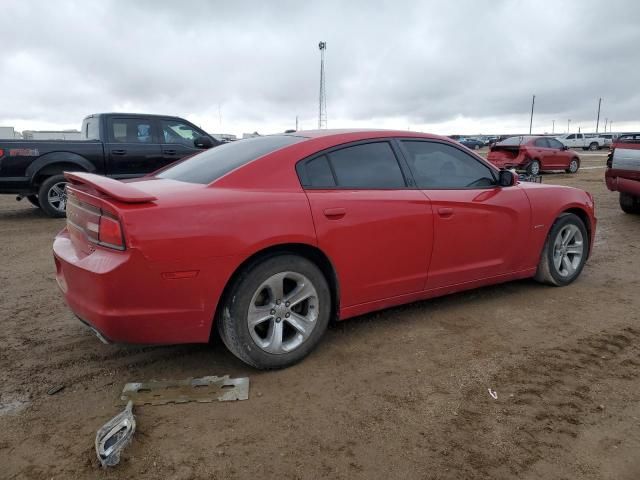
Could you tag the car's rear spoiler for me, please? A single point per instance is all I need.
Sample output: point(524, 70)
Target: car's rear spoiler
point(115, 189)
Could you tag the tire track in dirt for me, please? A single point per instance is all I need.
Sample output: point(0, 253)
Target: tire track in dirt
point(542, 405)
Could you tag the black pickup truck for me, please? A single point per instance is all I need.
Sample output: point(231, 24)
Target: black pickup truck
point(118, 145)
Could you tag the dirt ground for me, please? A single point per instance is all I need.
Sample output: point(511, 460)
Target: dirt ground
point(402, 393)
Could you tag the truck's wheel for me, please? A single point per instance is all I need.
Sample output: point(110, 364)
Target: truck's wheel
point(533, 168)
point(565, 251)
point(593, 146)
point(574, 165)
point(276, 312)
point(629, 203)
point(33, 200)
point(52, 196)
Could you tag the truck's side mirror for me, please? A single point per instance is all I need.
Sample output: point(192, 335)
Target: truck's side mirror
point(507, 178)
point(203, 142)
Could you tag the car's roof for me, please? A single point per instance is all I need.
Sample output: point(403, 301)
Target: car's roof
point(363, 132)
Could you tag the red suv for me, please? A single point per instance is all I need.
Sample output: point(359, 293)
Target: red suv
point(534, 154)
point(623, 171)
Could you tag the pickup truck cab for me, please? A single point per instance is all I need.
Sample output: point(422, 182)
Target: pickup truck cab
point(585, 141)
point(623, 171)
point(117, 145)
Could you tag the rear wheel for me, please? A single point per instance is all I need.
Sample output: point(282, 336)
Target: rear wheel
point(574, 165)
point(52, 196)
point(276, 312)
point(533, 168)
point(629, 203)
point(593, 146)
point(565, 251)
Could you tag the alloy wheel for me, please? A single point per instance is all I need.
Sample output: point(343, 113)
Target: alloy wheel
point(57, 196)
point(283, 312)
point(568, 249)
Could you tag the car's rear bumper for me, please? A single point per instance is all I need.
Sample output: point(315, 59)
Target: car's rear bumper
point(125, 298)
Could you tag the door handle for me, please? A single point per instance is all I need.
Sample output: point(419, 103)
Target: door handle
point(118, 152)
point(445, 212)
point(169, 152)
point(335, 212)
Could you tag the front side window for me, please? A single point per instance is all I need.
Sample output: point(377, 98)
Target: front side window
point(571, 137)
point(369, 165)
point(129, 130)
point(174, 131)
point(553, 143)
point(438, 165)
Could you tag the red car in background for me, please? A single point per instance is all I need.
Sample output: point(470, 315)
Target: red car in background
point(533, 154)
point(623, 171)
point(269, 238)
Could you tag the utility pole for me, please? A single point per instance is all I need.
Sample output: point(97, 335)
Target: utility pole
point(568, 125)
point(605, 124)
point(553, 126)
point(296, 123)
point(322, 110)
point(533, 102)
point(598, 119)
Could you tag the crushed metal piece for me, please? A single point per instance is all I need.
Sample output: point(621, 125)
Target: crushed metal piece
point(205, 389)
point(54, 390)
point(493, 394)
point(114, 435)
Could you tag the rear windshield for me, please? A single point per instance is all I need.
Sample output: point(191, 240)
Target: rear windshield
point(514, 140)
point(214, 163)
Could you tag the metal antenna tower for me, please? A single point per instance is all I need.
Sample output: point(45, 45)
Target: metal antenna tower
point(322, 110)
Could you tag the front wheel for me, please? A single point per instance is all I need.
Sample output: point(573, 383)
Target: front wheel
point(565, 251)
point(629, 203)
point(52, 196)
point(533, 168)
point(574, 165)
point(276, 312)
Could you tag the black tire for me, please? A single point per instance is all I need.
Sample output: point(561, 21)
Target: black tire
point(593, 146)
point(232, 320)
point(33, 200)
point(547, 272)
point(51, 208)
point(534, 167)
point(629, 203)
point(573, 168)
point(476, 147)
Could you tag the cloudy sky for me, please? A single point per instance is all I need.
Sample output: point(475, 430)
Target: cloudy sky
point(437, 66)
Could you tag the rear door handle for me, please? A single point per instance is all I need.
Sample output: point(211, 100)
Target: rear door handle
point(118, 152)
point(170, 152)
point(338, 212)
point(445, 212)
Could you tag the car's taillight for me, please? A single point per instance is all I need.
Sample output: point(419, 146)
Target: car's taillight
point(110, 233)
point(1, 153)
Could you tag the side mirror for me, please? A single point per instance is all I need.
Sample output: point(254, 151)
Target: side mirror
point(564, 147)
point(507, 178)
point(203, 142)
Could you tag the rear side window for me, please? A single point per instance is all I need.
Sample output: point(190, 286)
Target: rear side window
point(91, 129)
point(441, 166)
point(541, 142)
point(369, 165)
point(214, 163)
point(319, 173)
point(131, 130)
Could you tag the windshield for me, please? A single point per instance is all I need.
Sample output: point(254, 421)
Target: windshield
point(214, 163)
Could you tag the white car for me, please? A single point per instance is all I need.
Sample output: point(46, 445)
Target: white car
point(586, 141)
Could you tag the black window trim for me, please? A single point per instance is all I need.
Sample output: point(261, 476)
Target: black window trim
point(492, 169)
point(409, 183)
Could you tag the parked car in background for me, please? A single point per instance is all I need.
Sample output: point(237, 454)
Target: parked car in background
point(585, 141)
point(623, 171)
point(533, 154)
point(118, 145)
point(472, 143)
point(271, 237)
point(608, 138)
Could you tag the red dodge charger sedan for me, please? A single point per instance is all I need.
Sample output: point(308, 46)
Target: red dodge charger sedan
point(269, 238)
point(534, 154)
